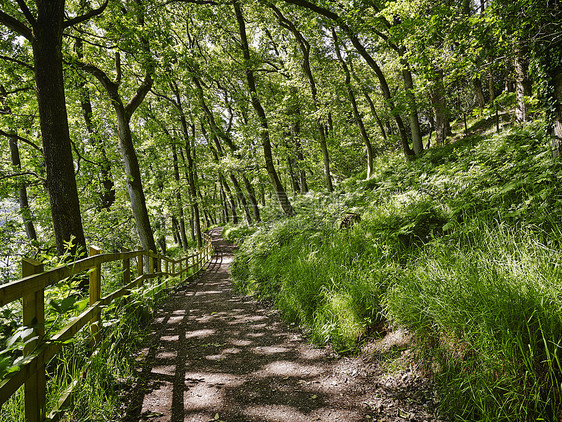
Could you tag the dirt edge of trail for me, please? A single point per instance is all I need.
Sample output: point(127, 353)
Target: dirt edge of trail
point(214, 355)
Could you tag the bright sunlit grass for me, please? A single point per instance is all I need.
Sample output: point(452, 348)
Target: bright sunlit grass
point(461, 247)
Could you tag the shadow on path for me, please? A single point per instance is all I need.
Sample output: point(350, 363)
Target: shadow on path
point(218, 356)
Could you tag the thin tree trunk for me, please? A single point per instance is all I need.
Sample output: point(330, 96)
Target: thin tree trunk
point(252, 198)
point(179, 202)
point(417, 143)
point(440, 110)
point(356, 115)
point(176, 232)
point(278, 188)
point(491, 86)
point(522, 84)
point(190, 167)
point(241, 199)
point(556, 81)
point(22, 192)
point(225, 214)
point(231, 198)
point(305, 50)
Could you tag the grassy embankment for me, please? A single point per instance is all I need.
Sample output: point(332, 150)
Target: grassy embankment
point(462, 247)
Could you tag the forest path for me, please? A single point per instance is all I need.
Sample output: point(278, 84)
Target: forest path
point(218, 356)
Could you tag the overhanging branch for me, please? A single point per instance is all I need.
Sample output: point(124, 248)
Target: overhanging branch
point(86, 16)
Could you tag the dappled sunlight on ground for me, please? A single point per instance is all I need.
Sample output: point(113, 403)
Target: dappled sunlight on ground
point(218, 356)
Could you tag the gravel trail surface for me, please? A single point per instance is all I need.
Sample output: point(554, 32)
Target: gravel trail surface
point(218, 356)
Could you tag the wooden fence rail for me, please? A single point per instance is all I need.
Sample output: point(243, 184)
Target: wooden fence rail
point(30, 289)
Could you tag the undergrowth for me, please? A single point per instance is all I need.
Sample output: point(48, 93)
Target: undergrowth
point(461, 247)
point(100, 377)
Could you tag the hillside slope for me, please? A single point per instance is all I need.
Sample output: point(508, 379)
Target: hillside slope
point(460, 247)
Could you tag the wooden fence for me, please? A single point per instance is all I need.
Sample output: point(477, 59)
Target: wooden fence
point(38, 349)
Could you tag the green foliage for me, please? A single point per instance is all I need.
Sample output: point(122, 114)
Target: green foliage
point(461, 247)
point(490, 311)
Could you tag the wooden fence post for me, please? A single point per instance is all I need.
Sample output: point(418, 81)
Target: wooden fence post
point(95, 295)
point(34, 316)
point(126, 266)
point(167, 263)
point(140, 267)
point(150, 264)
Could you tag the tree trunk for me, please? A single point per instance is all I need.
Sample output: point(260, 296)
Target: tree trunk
point(179, 202)
point(190, 167)
point(278, 188)
point(440, 110)
point(417, 142)
point(61, 183)
point(231, 198)
point(241, 199)
point(479, 92)
point(356, 115)
point(291, 165)
point(252, 198)
point(224, 212)
point(133, 175)
point(22, 192)
point(176, 232)
point(522, 84)
point(491, 86)
point(556, 78)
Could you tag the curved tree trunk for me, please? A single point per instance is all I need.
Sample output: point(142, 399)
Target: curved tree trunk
point(278, 188)
point(134, 181)
point(305, 50)
point(356, 115)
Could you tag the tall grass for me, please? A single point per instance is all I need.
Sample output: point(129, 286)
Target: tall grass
point(490, 311)
point(460, 247)
point(101, 376)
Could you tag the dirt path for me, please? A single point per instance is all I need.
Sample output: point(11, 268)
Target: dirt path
point(217, 356)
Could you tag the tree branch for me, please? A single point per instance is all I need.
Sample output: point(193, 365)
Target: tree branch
point(23, 173)
point(139, 96)
point(11, 59)
point(99, 74)
point(85, 17)
point(15, 25)
point(27, 13)
point(19, 138)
